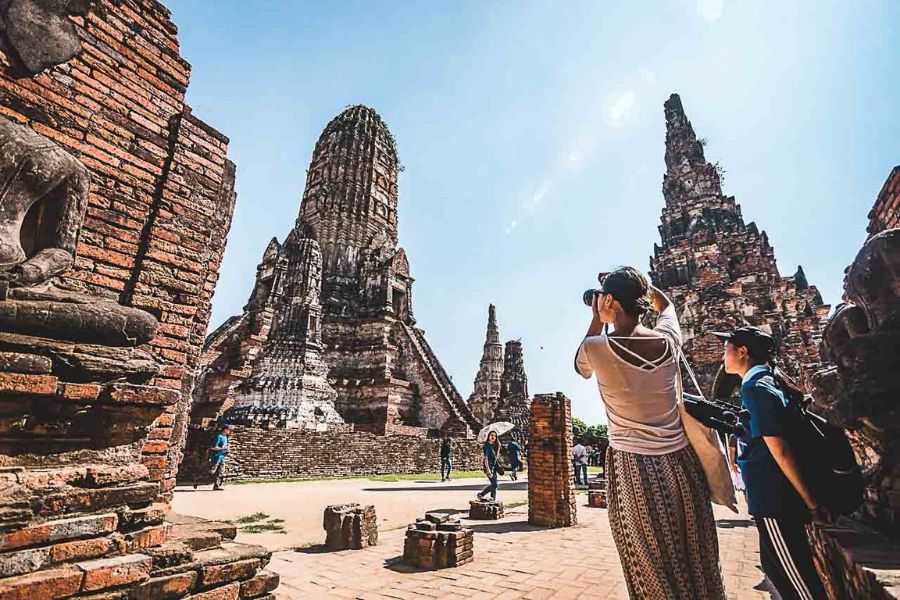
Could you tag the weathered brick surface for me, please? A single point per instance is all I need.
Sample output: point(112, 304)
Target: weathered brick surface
point(80, 549)
point(63, 529)
point(551, 491)
point(49, 584)
point(720, 271)
point(226, 592)
point(106, 573)
point(885, 214)
point(259, 585)
point(164, 588)
point(213, 575)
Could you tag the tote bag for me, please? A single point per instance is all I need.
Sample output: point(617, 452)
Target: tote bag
point(707, 446)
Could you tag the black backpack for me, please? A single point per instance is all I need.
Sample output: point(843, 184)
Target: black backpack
point(824, 455)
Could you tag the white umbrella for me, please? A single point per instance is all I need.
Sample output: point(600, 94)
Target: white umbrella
point(500, 427)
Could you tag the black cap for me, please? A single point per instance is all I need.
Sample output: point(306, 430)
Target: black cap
point(758, 343)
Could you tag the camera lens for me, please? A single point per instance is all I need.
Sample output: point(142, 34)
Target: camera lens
point(588, 296)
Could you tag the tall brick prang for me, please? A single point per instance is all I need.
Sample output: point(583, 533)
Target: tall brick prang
point(720, 271)
point(551, 488)
point(514, 404)
point(486, 393)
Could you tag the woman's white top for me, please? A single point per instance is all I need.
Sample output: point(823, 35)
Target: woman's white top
point(640, 401)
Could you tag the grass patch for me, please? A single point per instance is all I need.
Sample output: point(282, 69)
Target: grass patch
point(388, 477)
point(258, 522)
point(263, 528)
point(252, 518)
point(515, 504)
point(425, 476)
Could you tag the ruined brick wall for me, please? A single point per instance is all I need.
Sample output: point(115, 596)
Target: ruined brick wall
point(84, 498)
point(277, 453)
point(551, 487)
point(162, 189)
point(886, 212)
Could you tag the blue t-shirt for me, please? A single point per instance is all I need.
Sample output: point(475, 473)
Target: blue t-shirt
point(513, 449)
point(769, 493)
point(217, 455)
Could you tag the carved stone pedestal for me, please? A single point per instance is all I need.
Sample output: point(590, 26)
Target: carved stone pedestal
point(350, 526)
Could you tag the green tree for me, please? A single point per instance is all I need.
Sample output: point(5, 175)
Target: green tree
point(579, 428)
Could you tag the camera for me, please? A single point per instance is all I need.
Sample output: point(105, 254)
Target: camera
point(720, 415)
point(588, 296)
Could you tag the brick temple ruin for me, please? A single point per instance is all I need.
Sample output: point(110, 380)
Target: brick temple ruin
point(501, 386)
point(117, 201)
point(327, 343)
point(720, 271)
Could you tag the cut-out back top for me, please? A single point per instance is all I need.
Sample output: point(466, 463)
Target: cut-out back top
point(640, 399)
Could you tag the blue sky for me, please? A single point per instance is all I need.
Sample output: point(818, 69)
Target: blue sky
point(533, 134)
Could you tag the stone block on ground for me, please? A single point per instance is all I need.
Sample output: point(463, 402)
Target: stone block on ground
point(485, 510)
point(448, 545)
point(597, 493)
point(350, 526)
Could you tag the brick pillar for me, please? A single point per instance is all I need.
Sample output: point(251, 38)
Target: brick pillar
point(551, 488)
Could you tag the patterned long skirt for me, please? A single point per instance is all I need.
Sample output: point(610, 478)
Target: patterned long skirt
point(663, 526)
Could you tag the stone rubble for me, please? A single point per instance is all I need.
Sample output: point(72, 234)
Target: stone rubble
point(438, 542)
point(350, 526)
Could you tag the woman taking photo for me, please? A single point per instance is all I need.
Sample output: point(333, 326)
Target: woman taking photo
point(491, 450)
point(659, 506)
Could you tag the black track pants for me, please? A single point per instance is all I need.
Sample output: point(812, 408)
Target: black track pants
point(787, 560)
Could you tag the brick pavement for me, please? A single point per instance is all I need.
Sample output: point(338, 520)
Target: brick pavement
point(512, 560)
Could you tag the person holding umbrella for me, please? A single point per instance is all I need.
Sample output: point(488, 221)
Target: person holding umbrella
point(490, 435)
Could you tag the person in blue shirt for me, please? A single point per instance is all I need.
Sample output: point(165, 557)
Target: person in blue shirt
point(217, 457)
point(513, 450)
point(777, 495)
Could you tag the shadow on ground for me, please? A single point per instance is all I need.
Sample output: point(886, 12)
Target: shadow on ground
point(733, 523)
point(501, 527)
point(313, 549)
point(504, 485)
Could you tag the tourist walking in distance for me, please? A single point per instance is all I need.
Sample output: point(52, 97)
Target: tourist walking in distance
point(491, 450)
point(579, 460)
point(446, 463)
point(659, 502)
point(217, 454)
point(777, 495)
point(515, 463)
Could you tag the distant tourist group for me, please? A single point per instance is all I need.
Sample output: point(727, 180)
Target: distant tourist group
point(658, 481)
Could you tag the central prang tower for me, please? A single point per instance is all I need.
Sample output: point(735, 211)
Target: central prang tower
point(328, 338)
point(350, 207)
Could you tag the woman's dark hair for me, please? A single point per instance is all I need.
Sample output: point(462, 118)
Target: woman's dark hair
point(631, 288)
